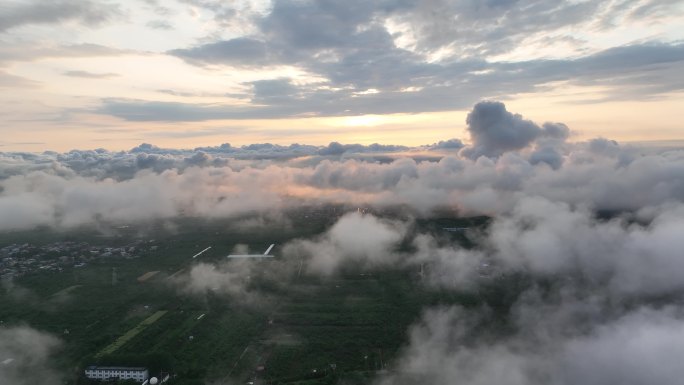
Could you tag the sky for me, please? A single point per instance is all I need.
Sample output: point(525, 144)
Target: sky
point(86, 74)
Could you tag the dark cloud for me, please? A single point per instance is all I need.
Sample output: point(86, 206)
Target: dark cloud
point(54, 12)
point(406, 83)
point(262, 150)
point(335, 148)
point(152, 149)
point(239, 51)
point(548, 155)
point(604, 146)
point(555, 130)
point(141, 111)
point(493, 130)
point(191, 93)
point(503, 24)
point(451, 144)
point(274, 91)
point(223, 148)
point(351, 48)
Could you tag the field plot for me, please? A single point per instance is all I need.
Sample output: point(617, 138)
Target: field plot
point(147, 276)
point(66, 291)
point(131, 333)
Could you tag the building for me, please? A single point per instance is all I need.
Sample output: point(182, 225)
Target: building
point(122, 373)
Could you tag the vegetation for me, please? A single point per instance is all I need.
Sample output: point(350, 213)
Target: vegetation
point(131, 333)
point(310, 330)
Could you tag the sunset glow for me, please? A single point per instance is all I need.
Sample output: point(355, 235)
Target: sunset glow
point(187, 73)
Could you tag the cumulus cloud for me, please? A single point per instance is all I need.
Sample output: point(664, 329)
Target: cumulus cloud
point(636, 348)
point(231, 280)
point(249, 282)
point(446, 265)
point(80, 187)
point(621, 257)
point(336, 148)
point(628, 256)
point(355, 237)
point(25, 357)
point(451, 144)
point(548, 155)
point(624, 257)
point(494, 131)
point(591, 321)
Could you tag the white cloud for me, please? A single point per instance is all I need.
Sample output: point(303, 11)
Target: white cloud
point(25, 357)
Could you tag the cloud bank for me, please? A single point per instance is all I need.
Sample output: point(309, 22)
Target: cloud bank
point(509, 158)
point(602, 306)
point(637, 348)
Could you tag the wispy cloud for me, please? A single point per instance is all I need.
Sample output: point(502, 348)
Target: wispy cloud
point(90, 75)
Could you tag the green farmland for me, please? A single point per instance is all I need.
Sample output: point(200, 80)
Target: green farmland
point(300, 329)
point(121, 341)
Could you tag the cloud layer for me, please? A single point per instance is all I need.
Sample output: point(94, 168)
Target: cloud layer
point(510, 158)
point(602, 306)
point(637, 348)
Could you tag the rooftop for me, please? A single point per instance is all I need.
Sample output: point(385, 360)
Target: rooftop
point(93, 367)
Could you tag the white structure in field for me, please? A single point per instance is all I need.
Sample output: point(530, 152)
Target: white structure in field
point(200, 253)
point(264, 255)
point(122, 373)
